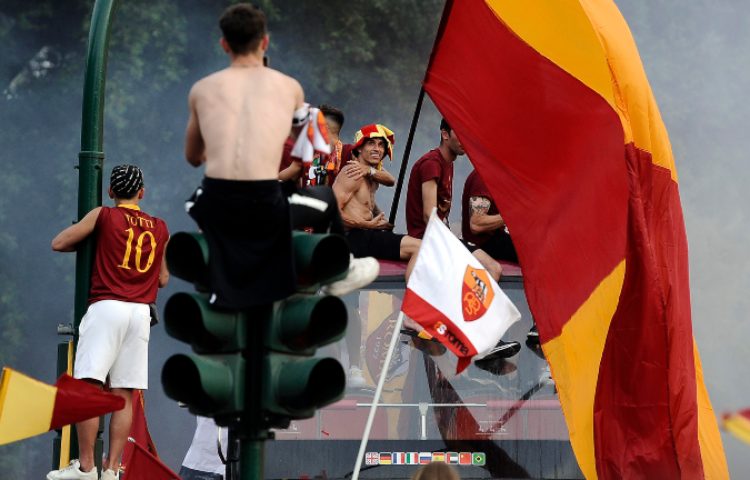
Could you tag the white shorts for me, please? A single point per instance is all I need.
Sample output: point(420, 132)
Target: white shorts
point(114, 341)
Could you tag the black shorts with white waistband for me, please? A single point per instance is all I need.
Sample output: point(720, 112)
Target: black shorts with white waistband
point(382, 244)
point(249, 235)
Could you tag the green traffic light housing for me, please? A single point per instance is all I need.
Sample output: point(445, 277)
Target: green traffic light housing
point(187, 258)
point(319, 258)
point(209, 386)
point(254, 370)
point(303, 323)
point(294, 388)
point(189, 317)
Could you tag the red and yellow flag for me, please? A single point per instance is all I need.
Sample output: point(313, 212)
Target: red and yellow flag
point(738, 424)
point(29, 407)
point(551, 102)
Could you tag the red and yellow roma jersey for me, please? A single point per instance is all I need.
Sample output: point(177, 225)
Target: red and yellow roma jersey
point(129, 251)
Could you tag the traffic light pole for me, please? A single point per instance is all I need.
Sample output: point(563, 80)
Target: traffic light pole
point(254, 368)
point(251, 459)
point(91, 157)
point(253, 432)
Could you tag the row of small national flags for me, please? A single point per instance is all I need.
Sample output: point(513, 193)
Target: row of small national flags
point(422, 458)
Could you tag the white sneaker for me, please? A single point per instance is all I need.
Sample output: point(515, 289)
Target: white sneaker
point(73, 472)
point(110, 474)
point(362, 271)
point(356, 378)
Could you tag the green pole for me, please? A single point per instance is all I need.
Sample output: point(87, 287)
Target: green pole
point(90, 164)
point(91, 157)
point(252, 431)
point(251, 459)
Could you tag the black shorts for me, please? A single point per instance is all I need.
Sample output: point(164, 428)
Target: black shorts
point(500, 247)
point(249, 235)
point(469, 246)
point(382, 244)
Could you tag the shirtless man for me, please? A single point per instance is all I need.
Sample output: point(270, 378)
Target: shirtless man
point(239, 119)
point(368, 231)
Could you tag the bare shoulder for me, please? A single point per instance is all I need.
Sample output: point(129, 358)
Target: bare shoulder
point(208, 81)
point(283, 77)
point(286, 81)
point(351, 182)
point(199, 88)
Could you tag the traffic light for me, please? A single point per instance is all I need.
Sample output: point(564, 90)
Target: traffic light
point(295, 384)
point(187, 258)
point(255, 369)
point(319, 259)
point(211, 383)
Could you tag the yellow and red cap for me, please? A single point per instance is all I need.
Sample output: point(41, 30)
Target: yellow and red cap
point(375, 130)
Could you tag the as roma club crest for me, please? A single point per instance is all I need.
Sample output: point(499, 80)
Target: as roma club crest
point(476, 293)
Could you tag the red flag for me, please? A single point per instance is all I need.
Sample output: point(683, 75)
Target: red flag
point(553, 107)
point(77, 400)
point(138, 430)
point(143, 465)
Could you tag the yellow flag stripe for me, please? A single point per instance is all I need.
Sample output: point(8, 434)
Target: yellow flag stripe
point(577, 36)
point(25, 406)
point(635, 100)
point(561, 32)
point(575, 364)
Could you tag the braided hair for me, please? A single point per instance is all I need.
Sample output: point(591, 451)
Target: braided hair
point(126, 180)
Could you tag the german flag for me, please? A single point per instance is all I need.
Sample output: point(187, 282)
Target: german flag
point(552, 104)
point(29, 407)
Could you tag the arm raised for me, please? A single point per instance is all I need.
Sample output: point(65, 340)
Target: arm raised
point(68, 239)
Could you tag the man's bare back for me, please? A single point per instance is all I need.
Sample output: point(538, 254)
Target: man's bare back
point(239, 119)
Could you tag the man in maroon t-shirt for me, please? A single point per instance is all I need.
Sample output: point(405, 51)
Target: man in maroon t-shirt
point(481, 222)
point(431, 182)
point(431, 186)
point(483, 226)
point(113, 336)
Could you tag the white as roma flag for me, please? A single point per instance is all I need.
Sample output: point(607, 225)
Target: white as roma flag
point(454, 298)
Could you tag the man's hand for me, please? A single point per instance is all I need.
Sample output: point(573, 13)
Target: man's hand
point(444, 206)
point(380, 223)
point(355, 171)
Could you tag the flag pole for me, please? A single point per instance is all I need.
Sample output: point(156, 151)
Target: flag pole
point(378, 391)
point(405, 160)
point(407, 149)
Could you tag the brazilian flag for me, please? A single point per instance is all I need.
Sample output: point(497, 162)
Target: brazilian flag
point(478, 458)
